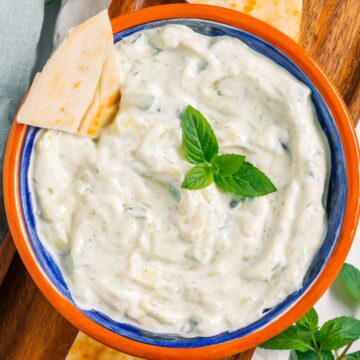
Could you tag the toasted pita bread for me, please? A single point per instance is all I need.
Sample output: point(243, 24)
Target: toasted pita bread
point(78, 89)
point(285, 15)
point(86, 348)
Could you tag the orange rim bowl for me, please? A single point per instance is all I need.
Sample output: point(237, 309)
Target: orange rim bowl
point(350, 147)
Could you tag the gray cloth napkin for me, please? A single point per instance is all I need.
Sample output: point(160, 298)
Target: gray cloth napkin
point(20, 27)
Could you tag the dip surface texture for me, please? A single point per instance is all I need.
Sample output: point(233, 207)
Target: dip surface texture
point(134, 245)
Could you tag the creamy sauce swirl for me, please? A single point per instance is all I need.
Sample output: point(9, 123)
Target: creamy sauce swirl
point(134, 245)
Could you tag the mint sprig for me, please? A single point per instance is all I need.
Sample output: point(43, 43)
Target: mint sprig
point(351, 277)
point(227, 164)
point(198, 177)
point(229, 171)
point(313, 343)
point(353, 356)
point(248, 181)
point(338, 332)
point(288, 339)
point(198, 139)
point(309, 321)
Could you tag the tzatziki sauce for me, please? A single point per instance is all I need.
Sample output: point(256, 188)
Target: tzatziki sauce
point(131, 243)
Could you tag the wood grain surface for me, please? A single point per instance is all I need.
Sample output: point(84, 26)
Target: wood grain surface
point(29, 327)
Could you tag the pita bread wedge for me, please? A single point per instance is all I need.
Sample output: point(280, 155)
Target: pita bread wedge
point(78, 89)
point(285, 15)
point(86, 348)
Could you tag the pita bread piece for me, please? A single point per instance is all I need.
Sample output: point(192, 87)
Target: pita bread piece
point(86, 348)
point(78, 89)
point(285, 15)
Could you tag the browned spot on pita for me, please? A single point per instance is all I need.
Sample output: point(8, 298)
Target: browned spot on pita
point(114, 99)
point(91, 132)
point(62, 109)
point(250, 6)
point(77, 84)
point(84, 68)
point(55, 79)
point(95, 122)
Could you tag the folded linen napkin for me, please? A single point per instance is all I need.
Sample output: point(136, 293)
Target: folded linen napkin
point(20, 27)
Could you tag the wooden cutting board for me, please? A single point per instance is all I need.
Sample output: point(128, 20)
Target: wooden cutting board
point(30, 328)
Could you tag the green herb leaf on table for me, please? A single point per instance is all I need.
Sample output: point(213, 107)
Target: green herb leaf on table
point(198, 139)
point(227, 163)
point(287, 340)
point(309, 321)
point(353, 356)
point(351, 277)
point(248, 181)
point(307, 355)
point(338, 332)
point(198, 177)
point(327, 355)
point(333, 335)
point(312, 355)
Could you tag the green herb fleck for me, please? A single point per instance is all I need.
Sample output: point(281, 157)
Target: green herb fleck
point(234, 202)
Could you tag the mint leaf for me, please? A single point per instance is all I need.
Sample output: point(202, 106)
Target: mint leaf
point(353, 356)
point(248, 181)
point(286, 340)
point(338, 332)
point(312, 355)
point(307, 355)
point(327, 355)
point(309, 321)
point(198, 177)
point(351, 277)
point(229, 171)
point(198, 139)
point(227, 163)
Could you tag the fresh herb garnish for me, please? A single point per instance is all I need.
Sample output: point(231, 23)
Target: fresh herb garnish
point(248, 181)
point(313, 343)
point(351, 277)
point(229, 171)
point(227, 164)
point(198, 177)
point(198, 139)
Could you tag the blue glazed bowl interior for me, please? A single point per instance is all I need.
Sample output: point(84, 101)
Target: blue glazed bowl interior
point(335, 202)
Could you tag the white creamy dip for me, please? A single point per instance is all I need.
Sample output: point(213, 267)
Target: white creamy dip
point(134, 245)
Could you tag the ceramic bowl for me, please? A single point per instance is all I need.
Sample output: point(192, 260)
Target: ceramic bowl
point(342, 204)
